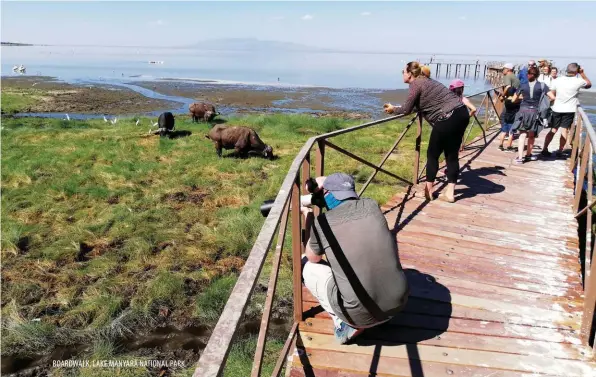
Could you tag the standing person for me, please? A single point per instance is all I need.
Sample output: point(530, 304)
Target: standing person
point(523, 73)
point(362, 284)
point(509, 80)
point(457, 87)
point(527, 121)
point(545, 76)
point(564, 92)
point(554, 73)
point(507, 119)
point(449, 118)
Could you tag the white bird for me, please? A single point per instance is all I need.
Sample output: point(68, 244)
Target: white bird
point(114, 120)
point(105, 119)
point(154, 124)
point(67, 117)
point(15, 68)
point(35, 83)
point(137, 123)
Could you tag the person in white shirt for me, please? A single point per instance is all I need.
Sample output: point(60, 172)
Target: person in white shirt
point(554, 72)
point(545, 75)
point(564, 91)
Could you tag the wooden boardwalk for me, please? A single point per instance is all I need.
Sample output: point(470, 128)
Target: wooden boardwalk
point(495, 283)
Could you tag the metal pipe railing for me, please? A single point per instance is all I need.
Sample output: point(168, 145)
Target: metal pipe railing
point(213, 358)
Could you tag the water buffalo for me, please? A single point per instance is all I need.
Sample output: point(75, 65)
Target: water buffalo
point(202, 111)
point(242, 139)
point(166, 123)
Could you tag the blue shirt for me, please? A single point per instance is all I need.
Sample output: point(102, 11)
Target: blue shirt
point(523, 75)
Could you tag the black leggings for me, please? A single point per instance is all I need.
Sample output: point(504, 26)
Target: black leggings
point(446, 136)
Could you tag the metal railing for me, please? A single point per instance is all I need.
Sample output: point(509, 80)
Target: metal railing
point(287, 205)
point(583, 140)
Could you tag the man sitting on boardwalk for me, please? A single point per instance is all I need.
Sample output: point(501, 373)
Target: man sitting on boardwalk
point(564, 92)
point(362, 284)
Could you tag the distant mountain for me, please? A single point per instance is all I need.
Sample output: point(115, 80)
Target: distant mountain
point(251, 44)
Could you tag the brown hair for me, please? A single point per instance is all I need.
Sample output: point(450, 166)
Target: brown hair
point(425, 71)
point(415, 69)
point(534, 70)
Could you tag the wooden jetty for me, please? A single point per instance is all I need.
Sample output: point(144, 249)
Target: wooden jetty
point(502, 281)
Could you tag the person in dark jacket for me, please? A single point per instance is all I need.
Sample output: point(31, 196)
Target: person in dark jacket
point(448, 116)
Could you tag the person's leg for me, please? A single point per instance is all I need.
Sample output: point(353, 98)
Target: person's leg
point(510, 142)
point(530, 144)
point(316, 278)
point(566, 120)
point(563, 139)
point(521, 142)
point(502, 139)
point(452, 140)
point(547, 140)
point(432, 160)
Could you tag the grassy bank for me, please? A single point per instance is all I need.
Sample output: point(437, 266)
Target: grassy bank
point(107, 231)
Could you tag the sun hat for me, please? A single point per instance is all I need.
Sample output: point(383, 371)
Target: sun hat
point(457, 83)
point(508, 66)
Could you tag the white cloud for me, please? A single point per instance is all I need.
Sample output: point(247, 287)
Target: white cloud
point(307, 17)
point(365, 14)
point(463, 18)
point(277, 18)
point(157, 23)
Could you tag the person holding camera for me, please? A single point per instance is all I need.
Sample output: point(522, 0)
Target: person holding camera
point(361, 284)
point(448, 116)
point(564, 92)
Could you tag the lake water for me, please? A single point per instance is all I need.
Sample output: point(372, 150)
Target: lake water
point(335, 70)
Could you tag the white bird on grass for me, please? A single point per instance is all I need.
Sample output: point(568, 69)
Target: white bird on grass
point(105, 119)
point(137, 123)
point(113, 121)
point(154, 124)
point(67, 117)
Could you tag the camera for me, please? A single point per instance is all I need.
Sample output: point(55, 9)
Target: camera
point(315, 197)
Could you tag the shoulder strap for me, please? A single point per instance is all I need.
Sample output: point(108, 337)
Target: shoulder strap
point(359, 290)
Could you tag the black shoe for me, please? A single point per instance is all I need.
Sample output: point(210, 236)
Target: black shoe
point(545, 153)
point(530, 158)
point(510, 149)
point(559, 154)
point(501, 148)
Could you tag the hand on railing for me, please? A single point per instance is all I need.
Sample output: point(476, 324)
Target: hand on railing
point(389, 108)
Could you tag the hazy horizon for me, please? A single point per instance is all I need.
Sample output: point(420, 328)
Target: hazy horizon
point(446, 28)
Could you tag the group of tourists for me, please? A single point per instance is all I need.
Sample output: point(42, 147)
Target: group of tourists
point(355, 292)
point(536, 99)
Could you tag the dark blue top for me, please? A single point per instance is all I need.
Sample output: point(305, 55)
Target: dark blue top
point(535, 98)
point(523, 75)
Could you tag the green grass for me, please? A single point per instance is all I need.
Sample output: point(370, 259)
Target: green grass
point(16, 101)
point(114, 228)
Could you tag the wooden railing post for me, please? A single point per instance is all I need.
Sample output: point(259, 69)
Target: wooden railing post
point(576, 141)
point(581, 174)
point(297, 248)
point(417, 149)
point(305, 177)
point(319, 167)
point(590, 269)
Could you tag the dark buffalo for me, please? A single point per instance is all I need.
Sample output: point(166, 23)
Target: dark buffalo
point(242, 139)
point(166, 123)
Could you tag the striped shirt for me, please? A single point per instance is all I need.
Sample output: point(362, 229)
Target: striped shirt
point(431, 98)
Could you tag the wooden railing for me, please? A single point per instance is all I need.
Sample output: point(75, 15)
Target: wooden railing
point(287, 205)
point(583, 140)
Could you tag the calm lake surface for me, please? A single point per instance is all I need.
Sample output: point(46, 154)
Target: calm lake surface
point(335, 70)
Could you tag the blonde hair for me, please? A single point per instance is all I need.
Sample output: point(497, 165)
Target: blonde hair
point(425, 70)
point(415, 69)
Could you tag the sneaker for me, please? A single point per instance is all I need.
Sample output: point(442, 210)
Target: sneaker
point(545, 153)
point(501, 148)
point(510, 150)
point(519, 160)
point(530, 158)
point(559, 154)
point(345, 333)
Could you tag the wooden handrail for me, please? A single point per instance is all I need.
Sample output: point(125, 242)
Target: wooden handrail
point(213, 358)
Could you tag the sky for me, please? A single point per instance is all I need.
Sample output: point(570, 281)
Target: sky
point(494, 28)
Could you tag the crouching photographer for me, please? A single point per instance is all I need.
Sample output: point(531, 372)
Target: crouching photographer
point(362, 284)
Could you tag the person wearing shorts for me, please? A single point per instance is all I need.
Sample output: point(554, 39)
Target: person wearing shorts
point(508, 117)
point(564, 92)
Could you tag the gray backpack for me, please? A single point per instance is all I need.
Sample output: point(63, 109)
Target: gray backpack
point(544, 109)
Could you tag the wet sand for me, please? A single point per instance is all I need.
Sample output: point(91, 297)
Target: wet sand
point(54, 96)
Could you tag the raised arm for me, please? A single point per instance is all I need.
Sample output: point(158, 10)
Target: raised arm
point(583, 75)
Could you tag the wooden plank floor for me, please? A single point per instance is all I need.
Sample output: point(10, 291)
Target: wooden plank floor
point(495, 283)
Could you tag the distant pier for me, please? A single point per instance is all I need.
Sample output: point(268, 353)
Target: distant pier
point(476, 69)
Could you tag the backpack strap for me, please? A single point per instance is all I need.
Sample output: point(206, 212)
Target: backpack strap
point(355, 283)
